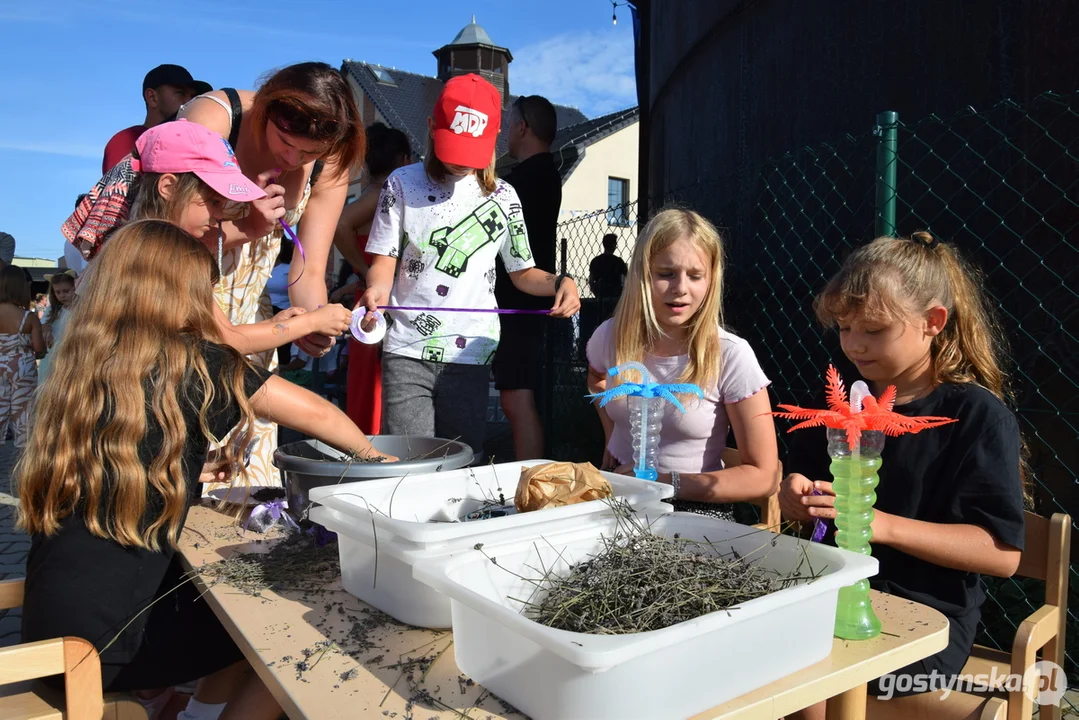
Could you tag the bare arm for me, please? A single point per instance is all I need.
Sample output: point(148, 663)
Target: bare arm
point(379, 286)
point(37, 339)
point(316, 234)
point(541, 283)
point(294, 407)
point(959, 546)
point(354, 216)
point(288, 326)
point(758, 475)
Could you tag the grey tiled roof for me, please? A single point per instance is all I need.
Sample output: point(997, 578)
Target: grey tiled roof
point(589, 131)
point(407, 103)
point(473, 34)
point(570, 142)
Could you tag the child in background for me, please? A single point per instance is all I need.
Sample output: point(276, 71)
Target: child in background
point(439, 226)
point(61, 295)
point(669, 317)
point(913, 314)
point(21, 343)
point(188, 175)
point(107, 480)
point(41, 304)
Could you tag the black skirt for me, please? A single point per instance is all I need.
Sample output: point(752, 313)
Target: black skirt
point(183, 641)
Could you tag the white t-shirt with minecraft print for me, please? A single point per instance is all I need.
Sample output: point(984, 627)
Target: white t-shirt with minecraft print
point(446, 236)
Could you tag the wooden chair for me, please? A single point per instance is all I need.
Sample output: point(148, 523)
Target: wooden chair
point(1046, 557)
point(768, 506)
point(76, 659)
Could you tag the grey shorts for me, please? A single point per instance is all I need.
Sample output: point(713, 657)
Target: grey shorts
point(421, 398)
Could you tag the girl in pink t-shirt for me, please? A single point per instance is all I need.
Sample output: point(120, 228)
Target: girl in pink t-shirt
point(670, 318)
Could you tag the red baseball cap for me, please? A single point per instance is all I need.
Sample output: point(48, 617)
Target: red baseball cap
point(182, 146)
point(468, 115)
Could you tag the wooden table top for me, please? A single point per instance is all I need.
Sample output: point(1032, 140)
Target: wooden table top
point(910, 632)
point(325, 654)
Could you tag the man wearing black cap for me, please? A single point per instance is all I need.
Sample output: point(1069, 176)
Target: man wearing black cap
point(164, 90)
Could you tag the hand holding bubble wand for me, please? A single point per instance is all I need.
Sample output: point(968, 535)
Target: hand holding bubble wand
point(645, 400)
point(856, 432)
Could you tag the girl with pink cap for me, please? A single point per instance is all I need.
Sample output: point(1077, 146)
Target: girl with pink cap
point(185, 173)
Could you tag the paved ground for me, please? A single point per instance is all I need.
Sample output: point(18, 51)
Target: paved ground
point(13, 544)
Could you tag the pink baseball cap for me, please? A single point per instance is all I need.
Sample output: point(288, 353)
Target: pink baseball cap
point(182, 146)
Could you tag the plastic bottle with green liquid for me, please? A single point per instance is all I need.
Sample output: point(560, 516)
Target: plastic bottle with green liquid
point(854, 480)
point(856, 431)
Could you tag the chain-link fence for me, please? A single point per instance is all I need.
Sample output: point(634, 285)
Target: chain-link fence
point(1002, 184)
point(595, 249)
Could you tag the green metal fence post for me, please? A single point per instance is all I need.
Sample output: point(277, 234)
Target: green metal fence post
point(887, 132)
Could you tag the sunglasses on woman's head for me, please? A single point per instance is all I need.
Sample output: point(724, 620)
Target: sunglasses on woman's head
point(292, 120)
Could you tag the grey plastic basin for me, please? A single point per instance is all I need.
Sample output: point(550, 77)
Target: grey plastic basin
point(310, 463)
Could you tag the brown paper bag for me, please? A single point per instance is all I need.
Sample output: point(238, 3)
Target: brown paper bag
point(557, 484)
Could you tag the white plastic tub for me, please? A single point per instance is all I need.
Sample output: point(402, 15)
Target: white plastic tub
point(675, 672)
point(395, 516)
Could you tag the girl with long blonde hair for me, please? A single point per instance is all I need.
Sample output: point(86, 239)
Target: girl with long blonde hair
point(913, 314)
point(141, 389)
point(670, 318)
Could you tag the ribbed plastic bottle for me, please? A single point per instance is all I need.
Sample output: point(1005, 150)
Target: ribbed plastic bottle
point(854, 480)
point(646, 423)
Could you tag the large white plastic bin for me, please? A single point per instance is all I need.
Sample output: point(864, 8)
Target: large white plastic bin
point(395, 516)
point(675, 672)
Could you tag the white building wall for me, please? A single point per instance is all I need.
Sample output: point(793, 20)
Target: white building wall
point(584, 217)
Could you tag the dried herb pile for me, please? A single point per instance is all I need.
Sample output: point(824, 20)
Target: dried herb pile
point(640, 581)
point(295, 562)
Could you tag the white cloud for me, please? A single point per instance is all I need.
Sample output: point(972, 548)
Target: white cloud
point(592, 71)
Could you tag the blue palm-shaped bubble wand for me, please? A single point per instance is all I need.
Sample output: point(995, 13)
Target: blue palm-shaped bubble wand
point(645, 400)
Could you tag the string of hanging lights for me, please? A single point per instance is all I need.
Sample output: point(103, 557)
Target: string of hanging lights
point(614, 11)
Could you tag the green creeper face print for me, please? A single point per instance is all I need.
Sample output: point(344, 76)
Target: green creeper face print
point(519, 246)
point(433, 352)
point(457, 244)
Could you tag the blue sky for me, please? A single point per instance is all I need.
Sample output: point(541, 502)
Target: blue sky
point(73, 70)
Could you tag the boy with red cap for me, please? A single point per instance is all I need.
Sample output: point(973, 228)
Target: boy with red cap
point(439, 226)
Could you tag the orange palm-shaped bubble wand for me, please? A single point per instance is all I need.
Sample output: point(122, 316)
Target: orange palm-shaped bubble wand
point(856, 431)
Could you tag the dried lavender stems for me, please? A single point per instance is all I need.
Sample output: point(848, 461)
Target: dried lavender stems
point(640, 581)
point(293, 562)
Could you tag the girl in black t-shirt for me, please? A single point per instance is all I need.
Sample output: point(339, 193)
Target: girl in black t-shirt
point(912, 313)
point(142, 387)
